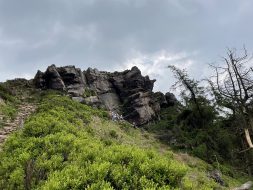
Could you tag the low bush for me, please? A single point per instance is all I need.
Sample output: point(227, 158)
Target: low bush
point(9, 108)
point(54, 151)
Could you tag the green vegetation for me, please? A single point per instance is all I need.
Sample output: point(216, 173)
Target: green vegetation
point(8, 110)
point(54, 152)
point(8, 107)
point(89, 92)
point(67, 145)
point(13, 93)
point(196, 125)
point(214, 141)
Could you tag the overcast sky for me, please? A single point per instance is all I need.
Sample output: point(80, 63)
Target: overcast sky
point(118, 34)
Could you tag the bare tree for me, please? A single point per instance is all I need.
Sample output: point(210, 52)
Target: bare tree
point(232, 86)
point(189, 85)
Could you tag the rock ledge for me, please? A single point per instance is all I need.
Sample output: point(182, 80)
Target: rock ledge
point(127, 93)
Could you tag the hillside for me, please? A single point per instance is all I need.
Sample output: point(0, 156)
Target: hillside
point(126, 95)
point(69, 145)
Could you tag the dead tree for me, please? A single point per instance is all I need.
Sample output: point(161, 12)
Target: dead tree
point(232, 86)
point(189, 85)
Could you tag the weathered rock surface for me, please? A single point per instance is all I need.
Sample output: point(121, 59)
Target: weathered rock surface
point(217, 176)
point(62, 78)
point(136, 94)
point(171, 99)
point(128, 92)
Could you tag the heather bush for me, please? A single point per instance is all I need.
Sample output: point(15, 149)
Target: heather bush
point(54, 151)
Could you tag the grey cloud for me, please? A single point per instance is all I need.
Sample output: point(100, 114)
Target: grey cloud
point(104, 34)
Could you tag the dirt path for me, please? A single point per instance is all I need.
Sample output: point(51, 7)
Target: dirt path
point(24, 110)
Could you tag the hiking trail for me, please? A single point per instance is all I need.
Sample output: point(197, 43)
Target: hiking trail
point(25, 109)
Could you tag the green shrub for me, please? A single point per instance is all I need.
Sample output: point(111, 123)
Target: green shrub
point(9, 108)
point(54, 151)
point(200, 151)
point(113, 134)
point(89, 92)
point(6, 94)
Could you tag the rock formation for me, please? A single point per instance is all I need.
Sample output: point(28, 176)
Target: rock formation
point(128, 92)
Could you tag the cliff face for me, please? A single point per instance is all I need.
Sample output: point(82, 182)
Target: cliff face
point(127, 93)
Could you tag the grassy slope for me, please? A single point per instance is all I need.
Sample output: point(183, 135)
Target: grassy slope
point(223, 142)
point(66, 145)
point(8, 106)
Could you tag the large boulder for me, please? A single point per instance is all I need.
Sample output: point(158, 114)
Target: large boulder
point(73, 79)
point(71, 75)
point(128, 92)
point(136, 94)
point(99, 82)
point(171, 99)
point(66, 78)
point(51, 79)
point(161, 99)
point(39, 80)
point(138, 108)
point(131, 81)
point(111, 101)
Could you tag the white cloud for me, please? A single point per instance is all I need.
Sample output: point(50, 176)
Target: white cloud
point(102, 34)
point(156, 66)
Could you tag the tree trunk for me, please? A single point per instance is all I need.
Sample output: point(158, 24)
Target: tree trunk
point(246, 156)
point(248, 139)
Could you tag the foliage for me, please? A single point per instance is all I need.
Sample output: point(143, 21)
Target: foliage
point(54, 151)
point(67, 145)
point(9, 108)
point(6, 93)
point(182, 133)
point(89, 92)
point(196, 126)
point(232, 87)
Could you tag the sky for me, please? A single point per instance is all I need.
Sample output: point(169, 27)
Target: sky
point(118, 34)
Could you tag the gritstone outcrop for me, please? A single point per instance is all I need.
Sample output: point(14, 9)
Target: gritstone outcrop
point(127, 93)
